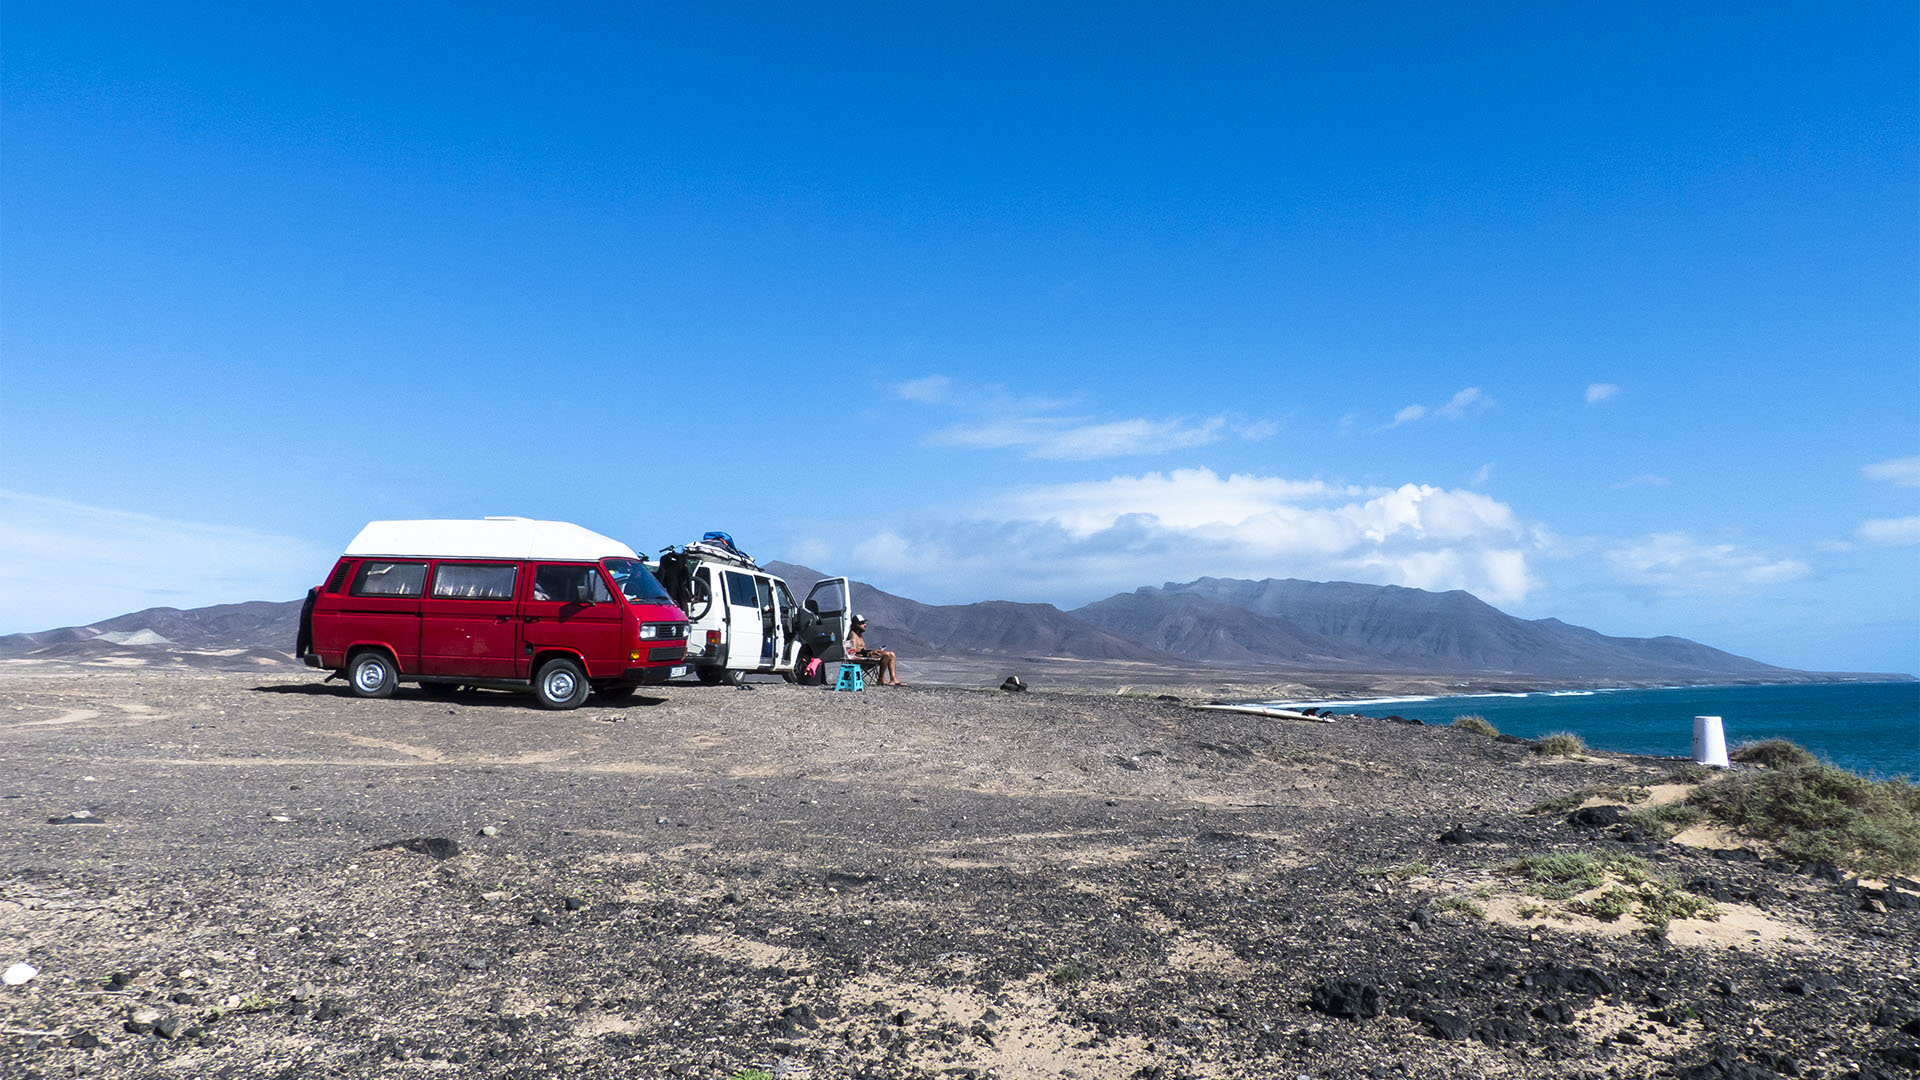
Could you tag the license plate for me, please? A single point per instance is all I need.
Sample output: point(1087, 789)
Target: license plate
point(675, 673)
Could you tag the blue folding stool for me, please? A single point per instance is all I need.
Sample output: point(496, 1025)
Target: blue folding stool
point(850, 677)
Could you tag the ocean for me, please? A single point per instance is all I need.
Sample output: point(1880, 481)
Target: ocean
point(1871, 728)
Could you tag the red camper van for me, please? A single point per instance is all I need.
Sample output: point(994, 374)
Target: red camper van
point(499, 602)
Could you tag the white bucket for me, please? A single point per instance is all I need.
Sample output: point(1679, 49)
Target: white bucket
point(1709, 742)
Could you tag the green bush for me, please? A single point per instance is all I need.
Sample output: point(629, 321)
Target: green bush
point(1462, 905)
point(1668, 819)
point(1773, 754)
point(1818, 813)
point(1559, 744)
point(1475, 723)
point(1606, 907)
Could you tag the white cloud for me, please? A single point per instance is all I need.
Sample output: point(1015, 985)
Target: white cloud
point(1675, 563)
point(1601, 391)
point(1085, 540)
point(1903, 471)
point(998, 421)
point(1459, 404)
point(1466, 401)
point(1482, 474)
point(1080, 440)
point(64, 563)
point(1891, 532)
point(928, 390)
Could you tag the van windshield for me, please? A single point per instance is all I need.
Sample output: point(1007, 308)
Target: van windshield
point(636, 582)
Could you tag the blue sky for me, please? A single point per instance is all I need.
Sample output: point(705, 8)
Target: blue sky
point(1610, 314)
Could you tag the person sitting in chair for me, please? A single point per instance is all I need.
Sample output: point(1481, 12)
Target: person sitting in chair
point(857, 649)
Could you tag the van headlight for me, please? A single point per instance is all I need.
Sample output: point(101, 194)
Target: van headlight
point(654, 631)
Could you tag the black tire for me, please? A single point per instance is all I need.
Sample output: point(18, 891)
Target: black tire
point(616, 693)
point(560, 684)
point(717, 676)
point(371, 674)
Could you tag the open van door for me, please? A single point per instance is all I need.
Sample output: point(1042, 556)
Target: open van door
point(831, 602)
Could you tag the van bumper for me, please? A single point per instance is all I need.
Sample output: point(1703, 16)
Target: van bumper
point(653, 676)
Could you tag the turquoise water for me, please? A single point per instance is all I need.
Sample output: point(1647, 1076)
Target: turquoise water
point(1871, 728)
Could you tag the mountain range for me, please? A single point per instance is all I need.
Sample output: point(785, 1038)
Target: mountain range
point(1225, 625)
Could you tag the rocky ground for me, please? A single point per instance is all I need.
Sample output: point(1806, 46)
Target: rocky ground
point(271, 878)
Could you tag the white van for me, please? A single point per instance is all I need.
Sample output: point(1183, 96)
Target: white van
point(742, 620)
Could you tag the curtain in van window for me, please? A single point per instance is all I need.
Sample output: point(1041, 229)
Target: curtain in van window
point(389, 579)
point(474, 582)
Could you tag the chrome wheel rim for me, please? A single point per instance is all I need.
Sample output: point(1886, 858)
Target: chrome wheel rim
point(370, 675)
point(560, 685)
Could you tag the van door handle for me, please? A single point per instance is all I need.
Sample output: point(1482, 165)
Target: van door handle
point(503, 618)
point(529, 618)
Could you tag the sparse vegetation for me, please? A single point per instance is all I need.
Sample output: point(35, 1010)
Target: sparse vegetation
point(1475, 723)
point(1068, 974)
point(1818, 813)
point(1527, 909)
point(1773, 754)
point(1690, 773)
point(750, 1074)
point(1461, 905)
point(1559, 744)
point(1666, 820)
point(1632, 887)
point(1560, 804)
point(1397, 873)
point(1607, 907)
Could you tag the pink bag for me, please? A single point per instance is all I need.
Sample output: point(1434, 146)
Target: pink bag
point(813, 668)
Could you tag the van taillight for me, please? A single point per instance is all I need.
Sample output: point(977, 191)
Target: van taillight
point(713, 639)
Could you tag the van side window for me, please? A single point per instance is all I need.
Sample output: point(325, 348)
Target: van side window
point(475, 581)
point(741, 591)
point(571, 585)
point(338, 579)
point(380, 578)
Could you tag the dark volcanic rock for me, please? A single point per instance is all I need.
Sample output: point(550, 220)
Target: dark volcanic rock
point(1346, 998)
point(1583, 980)
point(1596, 817)
point(1442, 1025)
point(437, 846)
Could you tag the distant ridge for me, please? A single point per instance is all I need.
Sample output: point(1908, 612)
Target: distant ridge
point(1293, 624)
point(1344, 631)
point(249, 635)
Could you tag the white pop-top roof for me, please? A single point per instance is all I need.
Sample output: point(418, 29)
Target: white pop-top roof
point(486, 538)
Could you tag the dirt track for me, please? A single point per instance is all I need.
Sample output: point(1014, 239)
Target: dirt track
point(907, 883)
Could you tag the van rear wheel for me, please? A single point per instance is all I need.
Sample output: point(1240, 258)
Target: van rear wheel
point(371, 674)
point(717, 676)
point(560, 684)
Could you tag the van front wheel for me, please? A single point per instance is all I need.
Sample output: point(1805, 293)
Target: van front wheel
point(371, 674)
point(560, 684)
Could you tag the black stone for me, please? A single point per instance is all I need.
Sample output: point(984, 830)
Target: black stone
point(1584, 980)
point(1346, 999)
point(1598, 817)
point(1495, 1031)
point(437, 846)
point(1442, 1025)
point(1554, 1012)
